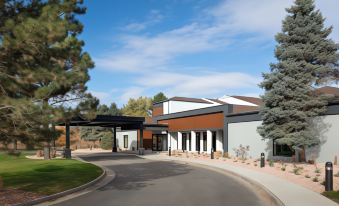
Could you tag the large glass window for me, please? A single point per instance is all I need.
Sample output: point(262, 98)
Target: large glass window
point(282, 150)
point(184, 139)
point(204, 136)
point(197, 141)
point(214, 140)
point(125, 141)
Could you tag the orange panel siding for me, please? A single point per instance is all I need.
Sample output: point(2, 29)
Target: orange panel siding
point(158, 110)
point(147, 139)
point(243, 108)
point(195, 122)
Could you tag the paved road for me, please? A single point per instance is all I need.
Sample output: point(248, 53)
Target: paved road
point(145, 182)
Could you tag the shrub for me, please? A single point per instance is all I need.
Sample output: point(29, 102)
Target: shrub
point(271, 163)
point(307, 176)
point(283, 168)
point(255, 164)
point(241, 151)
point(315, 179)
point(297, 170)
point(14, 153)
point(106, 141)
point(317, 170)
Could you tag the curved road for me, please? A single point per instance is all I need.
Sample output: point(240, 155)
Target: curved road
point(144, 182)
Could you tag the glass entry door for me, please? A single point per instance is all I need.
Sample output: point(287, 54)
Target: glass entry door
point(158, 142)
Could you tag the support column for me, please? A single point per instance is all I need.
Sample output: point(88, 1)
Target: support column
point(141, 140)
point(187, 142)
point(209, 141)
point(179, 141)
point(68, 152)
point(141, 145)
point(114, 149)
point(193, 140)
point(169, 141)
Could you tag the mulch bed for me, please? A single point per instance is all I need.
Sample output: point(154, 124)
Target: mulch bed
point(13, 196)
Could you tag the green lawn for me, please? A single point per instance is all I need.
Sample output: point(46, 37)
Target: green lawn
point(45, 176)
point(332, 195)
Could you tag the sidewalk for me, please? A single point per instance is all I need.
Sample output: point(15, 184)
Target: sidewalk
point(289, 193)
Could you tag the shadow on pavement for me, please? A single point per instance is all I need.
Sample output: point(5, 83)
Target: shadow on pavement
point(133, 173)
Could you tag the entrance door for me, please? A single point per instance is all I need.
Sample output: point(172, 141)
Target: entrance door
point(159, 142)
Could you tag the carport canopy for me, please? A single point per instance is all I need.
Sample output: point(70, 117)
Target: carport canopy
point(109, 121)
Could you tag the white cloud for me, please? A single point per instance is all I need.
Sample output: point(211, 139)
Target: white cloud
point(153, 18)
point(142, 53)
point(259, 18)
point(265, 16)
point(203, 84)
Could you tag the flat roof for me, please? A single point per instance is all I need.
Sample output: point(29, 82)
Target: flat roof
point(125, 122)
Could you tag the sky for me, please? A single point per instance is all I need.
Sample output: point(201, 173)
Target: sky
point(190, 48)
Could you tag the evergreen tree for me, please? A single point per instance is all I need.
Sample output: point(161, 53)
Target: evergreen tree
point(306, 58)
point(159, 97)
point(43, 69)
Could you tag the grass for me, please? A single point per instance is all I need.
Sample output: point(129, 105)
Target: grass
point(333, 195)
point(45, 176)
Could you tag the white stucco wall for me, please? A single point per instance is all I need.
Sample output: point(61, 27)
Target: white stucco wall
point(132, 140)
point(245, 133)
point(220, 141)
point(179, 106)
point(329, 135)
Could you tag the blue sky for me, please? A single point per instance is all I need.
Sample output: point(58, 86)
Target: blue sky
point(193, 48)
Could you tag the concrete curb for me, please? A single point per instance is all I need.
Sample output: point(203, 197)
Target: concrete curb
point(289, 193)
point(274, 199)
point(70, 191)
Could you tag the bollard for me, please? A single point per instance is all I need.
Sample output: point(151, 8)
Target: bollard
point(328, 176)
point(212, 153)
point(169, 151)
point(262, 160)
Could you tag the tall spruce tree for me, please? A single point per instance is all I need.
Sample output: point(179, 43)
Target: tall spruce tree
point(306, 58)
point(42, 67)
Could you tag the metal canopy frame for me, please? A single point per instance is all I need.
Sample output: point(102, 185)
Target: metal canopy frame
point(107, 121)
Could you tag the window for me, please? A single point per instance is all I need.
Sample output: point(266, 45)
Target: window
point(282, 150)
point(184, 139)
point(214, 140)
point(197, 141)
point(125, 141)
point(204, 136)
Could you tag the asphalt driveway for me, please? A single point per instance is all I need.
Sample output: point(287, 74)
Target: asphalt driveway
point(145, 182)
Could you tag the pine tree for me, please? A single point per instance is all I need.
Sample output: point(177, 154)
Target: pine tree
point(159, 97)
point(306, 58)
point(43, 69)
